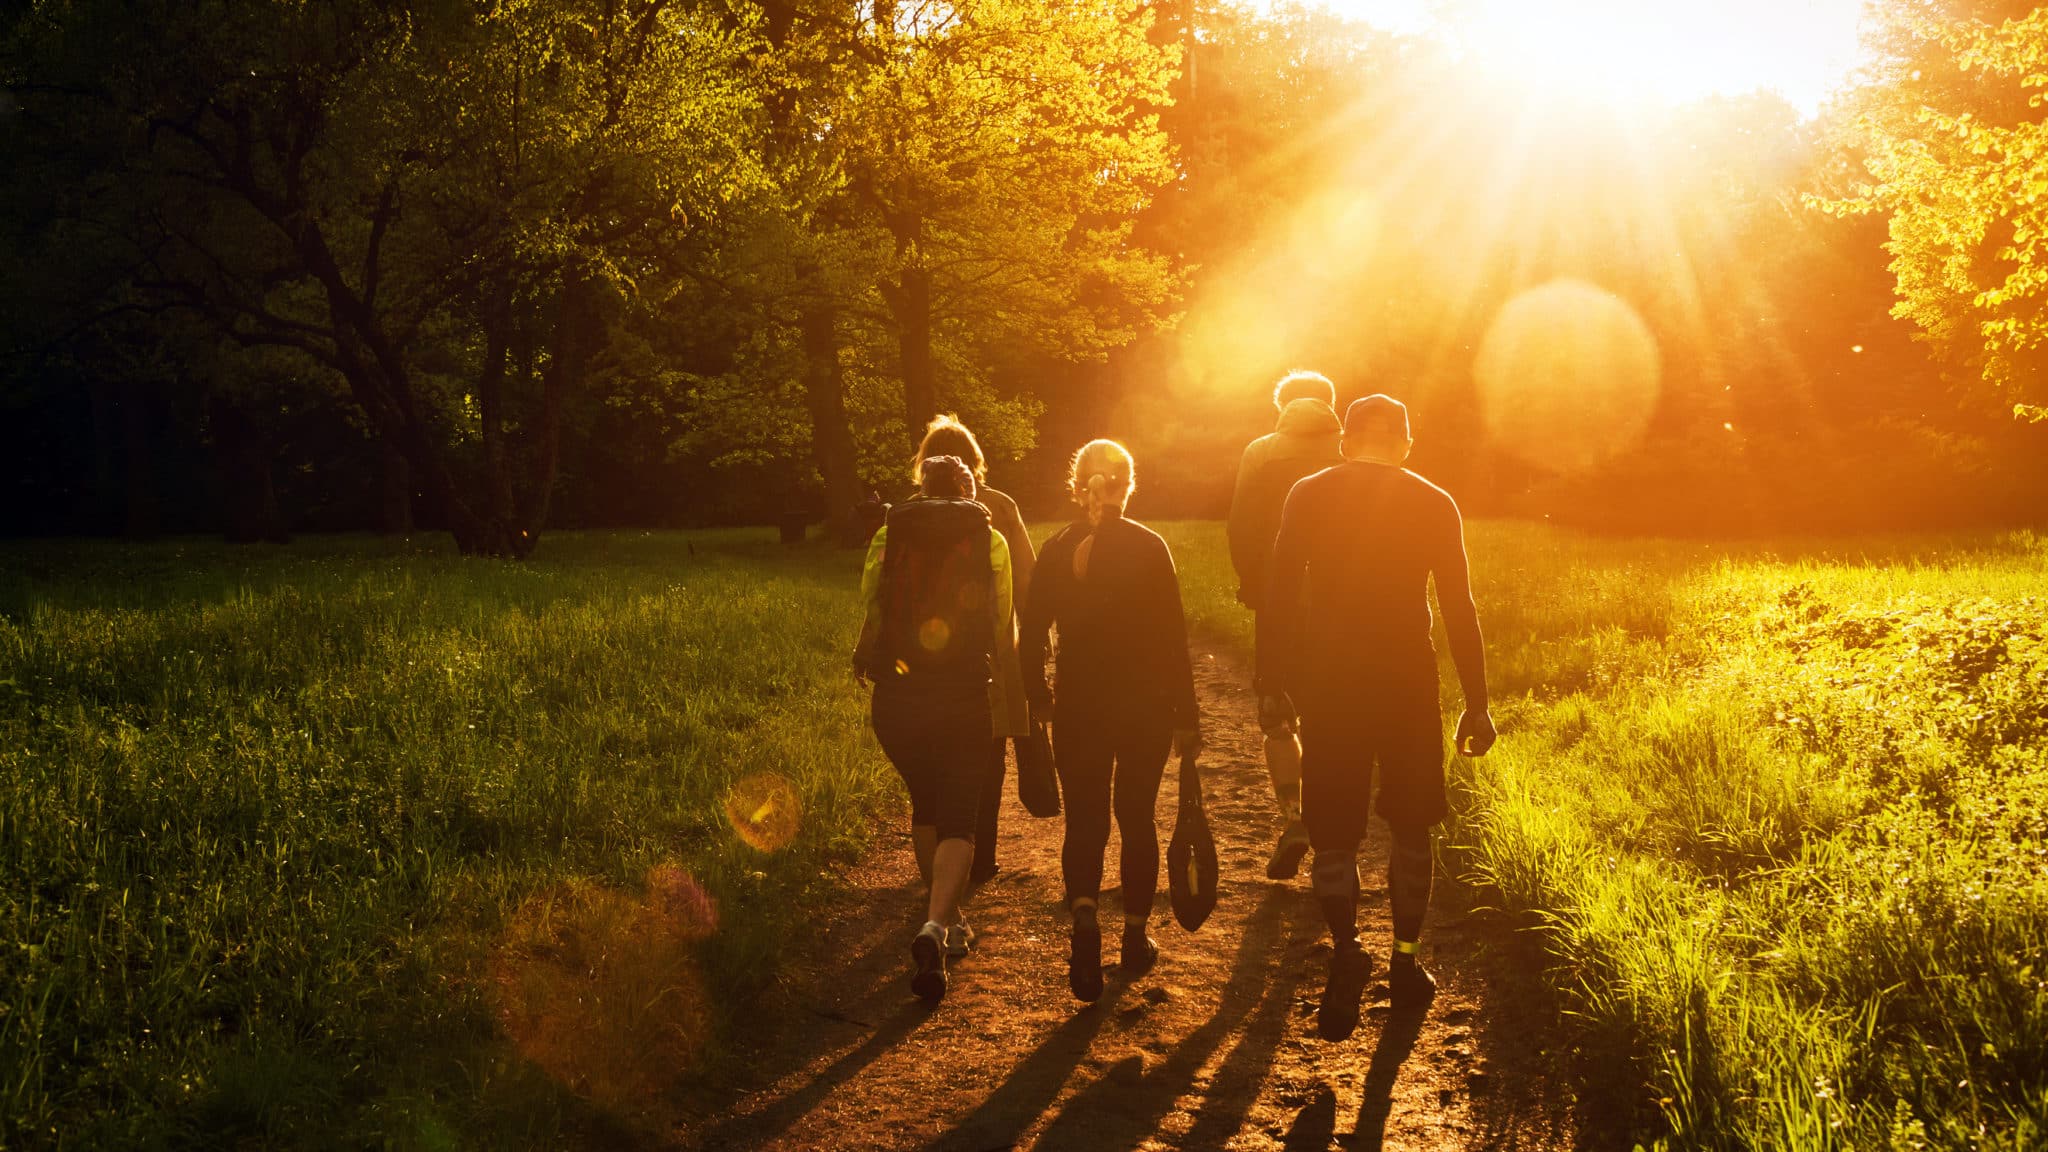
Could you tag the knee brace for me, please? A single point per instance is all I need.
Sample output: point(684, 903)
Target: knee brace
point(1409, 871)
point(1336, 873)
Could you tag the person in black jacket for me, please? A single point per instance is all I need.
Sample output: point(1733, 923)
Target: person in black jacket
point(937, 589)
point(1126, 696)
point(1363, 540)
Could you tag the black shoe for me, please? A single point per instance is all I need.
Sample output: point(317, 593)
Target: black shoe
point(1410, 983)
point(1288, 853)
point(1084, 967)
point(928, 950)
point(1139, 952)
point(1337, 1016)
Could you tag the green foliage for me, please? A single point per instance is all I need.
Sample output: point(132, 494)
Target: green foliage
point(1960, 170)
point(264, 819)
point(1781, 812)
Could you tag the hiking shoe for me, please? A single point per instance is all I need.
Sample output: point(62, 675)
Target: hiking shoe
point(1337, 1015)
point(1139, 952)
point(959, 939)
point(1288, 853)
point(928, 951)
point(1084, 967)
point(1410, 983)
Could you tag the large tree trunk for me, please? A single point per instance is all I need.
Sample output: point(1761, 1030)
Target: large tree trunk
point(395, 495)
point(242, 460)
point(578, 332)
point(910, 301)
point(490, 394)
point(831, 436)
point(138, 474)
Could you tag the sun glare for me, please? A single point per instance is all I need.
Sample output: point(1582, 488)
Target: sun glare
point(1632, 51)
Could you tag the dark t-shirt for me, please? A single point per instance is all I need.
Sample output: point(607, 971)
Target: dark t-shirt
point(1123, 642)
point(1357, 546)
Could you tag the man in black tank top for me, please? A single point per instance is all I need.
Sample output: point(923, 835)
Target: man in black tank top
point(1357, 546)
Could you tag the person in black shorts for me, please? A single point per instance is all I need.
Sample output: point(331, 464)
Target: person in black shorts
point(1126, 696)
point(1362, 541)
point(937, 590)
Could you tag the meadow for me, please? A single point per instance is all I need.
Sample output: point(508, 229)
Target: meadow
point(289, 838)
point(299, 846)
point(1781, 812)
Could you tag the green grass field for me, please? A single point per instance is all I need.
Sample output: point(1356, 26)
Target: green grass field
point(268, 817)
point(1783, 812)
point(292, 842)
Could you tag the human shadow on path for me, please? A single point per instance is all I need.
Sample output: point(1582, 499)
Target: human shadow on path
point(1033, 1084)
point(763, 1126)
point(1314, 1126)
point(1376, 1102)
point(1127, 1104)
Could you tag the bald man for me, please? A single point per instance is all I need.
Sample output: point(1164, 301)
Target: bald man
point(1362, 541)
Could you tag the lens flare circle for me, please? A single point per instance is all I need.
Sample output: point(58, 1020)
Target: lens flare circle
point(1568, 376)
point(601, 989)
point(764, 810)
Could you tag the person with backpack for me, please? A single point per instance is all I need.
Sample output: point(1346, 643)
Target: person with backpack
point(947, 436)
point(937, 590)
point(1361, 542)
point(1123, 697)
point(1303, 442)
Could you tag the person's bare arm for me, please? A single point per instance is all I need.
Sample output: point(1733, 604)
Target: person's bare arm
point(1461, 624)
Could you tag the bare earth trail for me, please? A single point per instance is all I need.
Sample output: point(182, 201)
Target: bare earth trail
point(1214, 1048)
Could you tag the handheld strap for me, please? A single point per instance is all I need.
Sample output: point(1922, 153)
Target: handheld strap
point(1190, 783)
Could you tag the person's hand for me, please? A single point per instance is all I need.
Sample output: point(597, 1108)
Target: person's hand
point(1188, 741)
point(1276, 715)
point(1476, 732)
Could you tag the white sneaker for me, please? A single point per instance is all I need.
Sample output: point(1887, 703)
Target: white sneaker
point(959, 938)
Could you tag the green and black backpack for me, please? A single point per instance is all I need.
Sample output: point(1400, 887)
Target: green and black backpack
point(936, 586)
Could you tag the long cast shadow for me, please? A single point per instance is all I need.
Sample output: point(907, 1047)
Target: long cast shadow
point(999, 1120)
point(1314, 1126)
point(1126, 1105)
point(761, 1127)
point(1376, 1102)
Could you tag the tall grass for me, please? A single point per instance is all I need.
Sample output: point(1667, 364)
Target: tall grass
point(266, 816)
point(1784, 810)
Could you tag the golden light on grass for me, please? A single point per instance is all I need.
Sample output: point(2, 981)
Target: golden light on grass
point(1568, 376)
point(600, 988)
point(764, 810)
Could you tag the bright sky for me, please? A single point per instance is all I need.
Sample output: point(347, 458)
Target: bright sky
point(1668, 50)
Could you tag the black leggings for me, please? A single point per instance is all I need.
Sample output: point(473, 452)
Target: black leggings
point(1106, 764)
point(937, 739)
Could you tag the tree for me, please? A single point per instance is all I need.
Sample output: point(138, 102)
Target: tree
point(1003, 149)
point(1957, 158)
point(442, 205)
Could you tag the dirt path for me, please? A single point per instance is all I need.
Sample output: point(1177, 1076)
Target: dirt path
point(1215, 1048)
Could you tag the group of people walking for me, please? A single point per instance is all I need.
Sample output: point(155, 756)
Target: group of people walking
point(1334, 544)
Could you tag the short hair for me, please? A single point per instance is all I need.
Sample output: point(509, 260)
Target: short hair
point(1378, 412)
point(1302, 384)
point(945, 478)
point(947, 436)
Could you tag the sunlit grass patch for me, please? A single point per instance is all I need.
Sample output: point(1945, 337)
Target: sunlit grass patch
point(266, 816)
point(1783, 810)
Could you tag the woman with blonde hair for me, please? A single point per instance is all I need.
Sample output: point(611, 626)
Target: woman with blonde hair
point(938, 624)
point(1125, 695)
point(947, 436)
